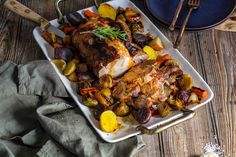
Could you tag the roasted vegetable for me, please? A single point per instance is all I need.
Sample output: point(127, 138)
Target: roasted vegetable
point(108, 121)
point(106, 10)
point(69, 29)
point(150, 52)
point(70, 68)
point(88, 13)
point(137, 27)
point(85, 91)
point(178, 104)
point(106, 92)
point(120, 10)
point(106, 81)
point(67, 40)
point(183, 95)
point(50, 37)
point(132, 16)
point(63, 53)
point(73, 77)
point(98, 110)
point(200, 92)
point(185, 82)
point(141, 39)
point(59, 63)
point(74, 18)
point(121, 17)
point(101, 99)
point(82, 68)
point(193, 98)
point(164, 109)
point(156, 44)
point(162, 60)
point(142, 115)
point(172, 62)
point(122, 109)
point(90, 102)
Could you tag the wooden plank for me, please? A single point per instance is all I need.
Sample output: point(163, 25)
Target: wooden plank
point(219, 60)
point(216, 49)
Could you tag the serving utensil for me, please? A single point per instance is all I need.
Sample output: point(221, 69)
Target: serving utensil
point(27, 13)
point(187, 114)
point(178, 9)
point(192, 5)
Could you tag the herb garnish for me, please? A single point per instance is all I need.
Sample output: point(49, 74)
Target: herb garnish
point(109, 33)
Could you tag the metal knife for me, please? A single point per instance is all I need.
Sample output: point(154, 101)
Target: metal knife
point(27, 13)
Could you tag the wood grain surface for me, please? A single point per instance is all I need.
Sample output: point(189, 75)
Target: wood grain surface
point(211, 52)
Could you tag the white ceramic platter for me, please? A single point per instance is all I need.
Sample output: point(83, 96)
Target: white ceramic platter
point(129, 129)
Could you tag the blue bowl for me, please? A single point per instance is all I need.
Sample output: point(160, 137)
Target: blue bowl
point(209, 14)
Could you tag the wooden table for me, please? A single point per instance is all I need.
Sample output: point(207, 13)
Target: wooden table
point(212, 53)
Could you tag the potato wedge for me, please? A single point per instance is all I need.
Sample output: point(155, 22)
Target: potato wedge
point(70, 68)
point(59, 63)
point(108, 121)
point(152, 55)
point(106, 10)
point(122, 110)
point(156, 44)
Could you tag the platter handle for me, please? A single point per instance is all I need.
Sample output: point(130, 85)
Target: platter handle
point(187, 114)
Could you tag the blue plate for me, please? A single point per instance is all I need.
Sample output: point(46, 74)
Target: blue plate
point(210, 13)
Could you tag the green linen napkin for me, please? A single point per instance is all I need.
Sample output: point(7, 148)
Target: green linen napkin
point(38, 118)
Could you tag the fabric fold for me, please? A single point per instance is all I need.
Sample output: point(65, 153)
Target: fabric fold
point(38, 118)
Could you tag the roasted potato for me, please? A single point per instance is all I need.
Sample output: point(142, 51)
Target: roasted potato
point(70, 68)
point(101, 99)
point(106, 81)
point(185, 82)
point(172, 62)
point(73, 77)
point(106, 10)
point(137, 27)
point(121, 17)
point(108, 121)
point(122, 109)
point(156, 44)
point(90, 102)
point(132, 16)
point(193, 98)
point(120, 10)
point(106, 92)
point(164, 109)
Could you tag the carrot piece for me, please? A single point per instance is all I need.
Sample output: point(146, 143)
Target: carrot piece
point(86, 91)
point(89, 13)
point(200, 92)
point(163, 59)
point(68, 29)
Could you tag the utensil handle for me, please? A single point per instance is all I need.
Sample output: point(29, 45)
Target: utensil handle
point(179, 7)
point(187, 114)
point(181, 32)
point(59, 13)
point(26, 12)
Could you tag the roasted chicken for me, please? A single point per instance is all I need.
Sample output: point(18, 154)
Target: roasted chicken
point(112, 57)
point(146, 83)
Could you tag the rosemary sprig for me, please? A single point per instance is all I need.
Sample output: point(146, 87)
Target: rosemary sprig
point(109, 33)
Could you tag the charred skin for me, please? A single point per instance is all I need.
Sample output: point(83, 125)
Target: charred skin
point(105, 56)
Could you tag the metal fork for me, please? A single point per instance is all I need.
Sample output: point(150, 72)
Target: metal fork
point(192, 4)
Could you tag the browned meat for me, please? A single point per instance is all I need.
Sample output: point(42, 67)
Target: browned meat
point(145, 83)
point(104, 56)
